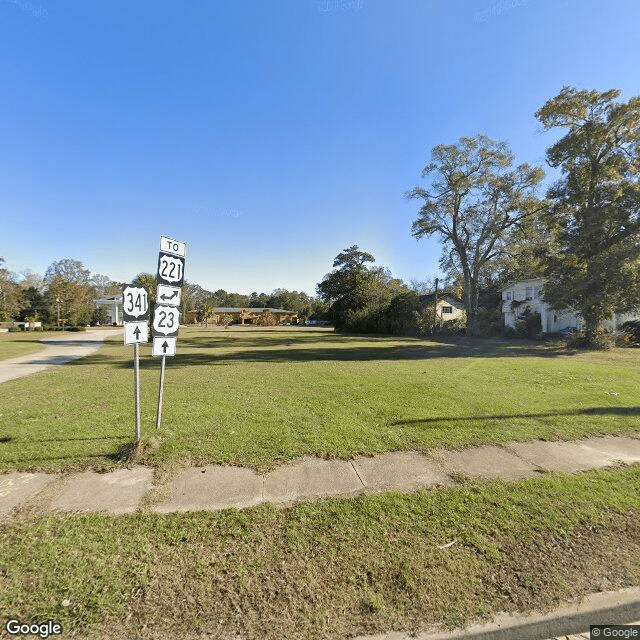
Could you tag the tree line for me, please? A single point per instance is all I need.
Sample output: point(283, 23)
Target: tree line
point(583, 236)
point(65, 295)
point(68, 291)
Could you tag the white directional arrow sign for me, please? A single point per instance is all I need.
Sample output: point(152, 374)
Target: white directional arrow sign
point(169, 295)
point(164, 347)
point(135, 303)
point(165, 320)
point(135, 332)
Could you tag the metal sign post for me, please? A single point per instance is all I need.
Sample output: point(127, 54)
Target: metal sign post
point(136, 376)
point(160, 393)
point(166, 316)
point(135, 307)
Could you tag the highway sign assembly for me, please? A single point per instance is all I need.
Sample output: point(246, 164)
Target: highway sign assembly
point(166, 314)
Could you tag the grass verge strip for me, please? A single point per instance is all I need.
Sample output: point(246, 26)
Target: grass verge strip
point(331, 568)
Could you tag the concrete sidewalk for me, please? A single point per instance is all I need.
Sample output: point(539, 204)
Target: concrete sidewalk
point(216, 487)
point(58, 350)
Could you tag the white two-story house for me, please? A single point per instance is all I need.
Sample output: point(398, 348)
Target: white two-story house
point(527, 294)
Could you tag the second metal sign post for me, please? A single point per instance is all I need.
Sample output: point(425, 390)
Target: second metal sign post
point(166, 314)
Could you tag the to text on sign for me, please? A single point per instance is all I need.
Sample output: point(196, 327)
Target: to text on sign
point(169, 245)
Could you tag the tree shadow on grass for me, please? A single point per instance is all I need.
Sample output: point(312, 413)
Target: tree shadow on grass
point(4, 439)
point(281, 351)
point(590, 411)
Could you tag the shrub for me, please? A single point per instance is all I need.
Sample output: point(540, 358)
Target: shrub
point(529, 324)
point(631, 329)
point(361, 321)
point(423, 320)
point(490, 321)
point(601, 341)
point(455, 327)
point(267, 319)
point(75, 328)
point(15, 328)
point(399, 316)
point(226, 320)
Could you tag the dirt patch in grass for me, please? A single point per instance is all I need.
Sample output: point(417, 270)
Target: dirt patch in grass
point(302, 597)
point(559, 565)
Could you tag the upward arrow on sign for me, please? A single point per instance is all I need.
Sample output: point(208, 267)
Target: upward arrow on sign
point(136, 332)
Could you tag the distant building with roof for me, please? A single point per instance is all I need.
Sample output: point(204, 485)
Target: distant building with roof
point(528, 295)
point(242, 315)
point(113, 308)
point(447, 307)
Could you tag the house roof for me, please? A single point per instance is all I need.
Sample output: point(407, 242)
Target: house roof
point(517, 282)
point(254, 309)
point(117, 299)
point(445, 298)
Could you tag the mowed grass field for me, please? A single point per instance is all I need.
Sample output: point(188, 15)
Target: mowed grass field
point(331, 568)
point(13, 344)
point(261, 397)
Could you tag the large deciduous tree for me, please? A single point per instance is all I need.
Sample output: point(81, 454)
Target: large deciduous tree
point(354, 292)
point(474, 203)
point(594, 260)
point(69, 289)
point(10, 294)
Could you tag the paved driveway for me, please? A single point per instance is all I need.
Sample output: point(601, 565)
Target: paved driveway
point(66, 347)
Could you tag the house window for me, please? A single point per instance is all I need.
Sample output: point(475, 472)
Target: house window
point(447, 310)
point(507, 295)
point(528, 293)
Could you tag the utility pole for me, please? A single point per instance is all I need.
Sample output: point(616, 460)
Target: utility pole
point(435, 309)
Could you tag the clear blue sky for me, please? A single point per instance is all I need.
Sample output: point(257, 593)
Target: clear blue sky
point(270, 134)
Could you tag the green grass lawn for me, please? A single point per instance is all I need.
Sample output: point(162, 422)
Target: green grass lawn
point(259, 398)
point(327, 569)
point(20, 343)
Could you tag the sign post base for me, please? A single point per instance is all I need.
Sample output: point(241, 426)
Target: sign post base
point(136, 368)
point(160, 392)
